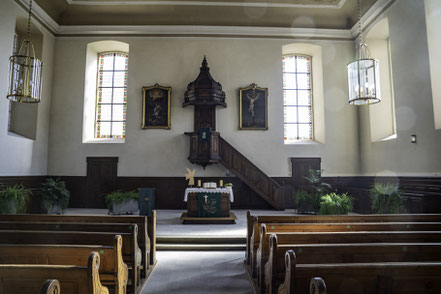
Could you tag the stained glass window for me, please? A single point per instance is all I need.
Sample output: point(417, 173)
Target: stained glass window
point(112, 95)
point(297, 97)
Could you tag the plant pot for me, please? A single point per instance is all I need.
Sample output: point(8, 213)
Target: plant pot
point(56, 209)
point(125, 207)
point(9, 207)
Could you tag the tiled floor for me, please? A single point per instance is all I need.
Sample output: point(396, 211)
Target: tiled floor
point(195, 272)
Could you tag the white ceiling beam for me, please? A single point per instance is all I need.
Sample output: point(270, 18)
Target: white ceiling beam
point(206, 31)
point(40, 14)
point(206, 3)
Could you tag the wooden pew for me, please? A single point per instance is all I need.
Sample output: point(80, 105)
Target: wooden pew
point(268, 228)
point(115, 228)
point(344, 253)
point(146, 225)
point(343, 237)
point(366, 278)
point(27, 279)
point(131, 252)
point(50, 287)
point(113, 271)
point(253, 222)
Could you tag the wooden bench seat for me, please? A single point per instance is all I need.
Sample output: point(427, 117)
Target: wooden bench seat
point(146, 226)
point(343, 237)
point(366, 278)
point(254, 222)
point(27, 279)
point(274, 269)
point(268, 228)
point(113, 271)
point(130, 251)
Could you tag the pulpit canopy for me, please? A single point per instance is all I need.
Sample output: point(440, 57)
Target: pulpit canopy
point(204, 91)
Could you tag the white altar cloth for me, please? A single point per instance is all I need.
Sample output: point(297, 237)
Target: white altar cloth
point(202, 190)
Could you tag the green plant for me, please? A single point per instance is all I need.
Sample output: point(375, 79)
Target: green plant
point(10, 195)
point(117, 197)
point(333, 203)
point(307, 202)
point(386, 198)
point(54, 193)
point(315, 179)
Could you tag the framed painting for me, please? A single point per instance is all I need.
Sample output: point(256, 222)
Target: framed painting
point(156, 107)
point(253, 108)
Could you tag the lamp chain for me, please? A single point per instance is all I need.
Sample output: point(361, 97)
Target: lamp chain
point(29, 20)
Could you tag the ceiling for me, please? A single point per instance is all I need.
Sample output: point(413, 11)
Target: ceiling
point(322, 14)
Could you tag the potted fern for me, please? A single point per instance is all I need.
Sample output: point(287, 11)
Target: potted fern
point(386, 198)
point(333, 203)
point(308, 201)
point(13, 199)
point(122, 202)
point(54, 196)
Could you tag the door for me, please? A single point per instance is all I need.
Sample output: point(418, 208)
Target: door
point(101, 179)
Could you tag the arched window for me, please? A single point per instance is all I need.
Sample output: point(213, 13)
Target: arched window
point(303, 103)
point(297, 97)
point(105, 92)
point(111, 95)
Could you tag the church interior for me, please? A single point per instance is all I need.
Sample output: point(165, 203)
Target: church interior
point(265, 146)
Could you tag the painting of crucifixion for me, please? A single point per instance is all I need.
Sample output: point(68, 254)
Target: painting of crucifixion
point(253, 108)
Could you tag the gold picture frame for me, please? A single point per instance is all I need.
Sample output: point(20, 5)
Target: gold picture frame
point(156, 107)
point(253, 108)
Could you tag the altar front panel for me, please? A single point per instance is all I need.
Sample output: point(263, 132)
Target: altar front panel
point(192, 205)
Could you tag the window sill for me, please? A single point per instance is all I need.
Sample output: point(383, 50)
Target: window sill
point(104, 140)
point(304, 142)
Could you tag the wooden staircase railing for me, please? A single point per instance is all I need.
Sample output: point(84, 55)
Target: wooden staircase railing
point(250, 174)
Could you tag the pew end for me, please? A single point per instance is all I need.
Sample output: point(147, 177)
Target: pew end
point(51, 287)
point(288, 286)
point(317, 286)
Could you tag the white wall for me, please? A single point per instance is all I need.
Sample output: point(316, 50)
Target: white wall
point(413, 101)
point(175, 62)
point(19, 155)
point(433, 21)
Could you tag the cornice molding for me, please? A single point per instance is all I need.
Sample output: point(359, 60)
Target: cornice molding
point(202, 31)
point(374, 13)
point(204, 3)
point(40, 15)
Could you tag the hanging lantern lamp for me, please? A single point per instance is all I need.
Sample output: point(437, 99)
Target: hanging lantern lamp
point(363, 74)
point(25, 71)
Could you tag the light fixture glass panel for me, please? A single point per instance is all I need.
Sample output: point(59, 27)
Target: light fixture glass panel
point(107, 79)
point(106, 112)
point(291, 133)
point(289, 81)
point(105, 95)
point(305, 131)
point(303, 81)
point(304, 97)
point(117, 130)
point(118, 112)
point(290, 97)
point(119, 79)
point(304, 114)
point(303, 64)
point(118, 95)
point(289, 64)
point(290, 114)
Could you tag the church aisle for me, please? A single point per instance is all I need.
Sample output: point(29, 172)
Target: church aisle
point(199, 272)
